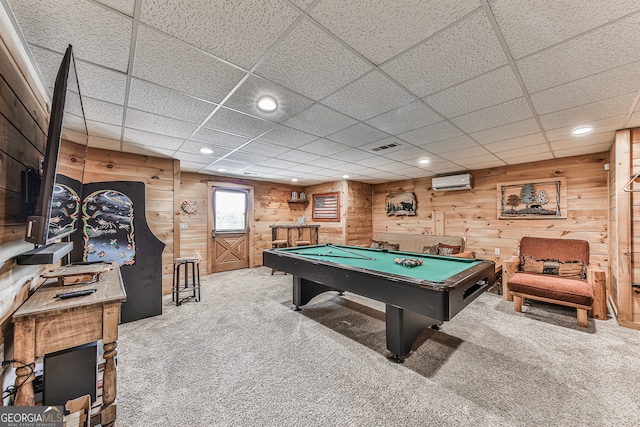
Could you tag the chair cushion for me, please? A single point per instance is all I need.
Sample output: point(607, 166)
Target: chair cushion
point(552, 287)
point(569, 269)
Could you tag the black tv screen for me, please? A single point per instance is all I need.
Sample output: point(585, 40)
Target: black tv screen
point(57, 208)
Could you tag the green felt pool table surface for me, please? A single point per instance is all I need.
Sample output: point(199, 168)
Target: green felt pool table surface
point(434, 268)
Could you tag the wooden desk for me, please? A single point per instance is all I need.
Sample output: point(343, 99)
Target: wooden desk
point(294, 233)
point(44, 324)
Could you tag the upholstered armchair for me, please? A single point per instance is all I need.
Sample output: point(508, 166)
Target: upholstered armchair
point(556, 271)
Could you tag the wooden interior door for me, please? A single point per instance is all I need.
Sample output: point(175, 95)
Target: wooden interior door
point(230, 229)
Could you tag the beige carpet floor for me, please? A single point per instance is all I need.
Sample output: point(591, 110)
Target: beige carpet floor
point(242, 357)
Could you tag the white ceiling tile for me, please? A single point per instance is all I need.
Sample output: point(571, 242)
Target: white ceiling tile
point(398, 167)
point(152, 139)
point(605, 138)
point(357, 135)
point(191, 167)
point(193, 147)
point(537, 152)
point(264, 148)
point(320, 120)
point(287, 137)
point(230, 165)
point(98, 35)
point(145, 150)
point(124, 6)
point(452, 144)
point(218, 139)
point(521, 142)
point(586, 149)
point(95, 81)
point(193, 158)
point(100, 111)
point(302, 4)
point(166, 61)
point(329, 163)
point(374, 30)
point(456, 155)
point(607, 84)
point(306, 61)
point(405, 118)
point(279, 163)
point(368, 96)
point(375, 161)
point(238, 123)
point(488, 161)
point(466, 50)
point(160, 100)
point(529, 26)
point(104, 143)
point(497, 115)
point(606, 47)
point(250, 158)
point(585, 114)
point(634, 120)
point(511, 130)
point(488, 89)
point(604, 125)
point(157, 124)
point(311, 168)
point(407, 154)
point(324, 147)
point(354, 154)
point(298, 156)
point(221, 27)
point(245, 99)
point(532, 157)
point(431, 133)
point(104, 130)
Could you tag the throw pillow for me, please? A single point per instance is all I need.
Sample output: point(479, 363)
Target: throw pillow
point(448, 249)
point(569, 269)
point(377, 244)
point(431, 250)
point(391, 246)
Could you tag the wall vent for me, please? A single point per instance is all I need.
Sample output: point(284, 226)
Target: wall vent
point(385, 147)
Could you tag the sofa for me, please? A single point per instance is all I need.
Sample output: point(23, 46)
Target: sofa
point(556, 271)
point(422, 243)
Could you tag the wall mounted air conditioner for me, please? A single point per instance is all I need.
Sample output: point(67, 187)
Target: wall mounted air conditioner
point(452, 182)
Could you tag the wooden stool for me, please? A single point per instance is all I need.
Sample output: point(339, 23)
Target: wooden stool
point(193, 285)
point(275, 244)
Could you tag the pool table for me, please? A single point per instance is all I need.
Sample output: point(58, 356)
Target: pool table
point(415, 297)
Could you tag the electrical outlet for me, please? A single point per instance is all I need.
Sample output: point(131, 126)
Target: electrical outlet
point(184, 226)
point(497, 251)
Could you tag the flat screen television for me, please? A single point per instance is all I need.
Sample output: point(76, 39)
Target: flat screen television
point(57, 208)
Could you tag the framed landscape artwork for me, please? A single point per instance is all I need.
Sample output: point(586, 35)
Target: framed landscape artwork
point(533, 199)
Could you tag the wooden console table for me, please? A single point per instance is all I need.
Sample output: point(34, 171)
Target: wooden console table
point(294, 233)
point(45, 324)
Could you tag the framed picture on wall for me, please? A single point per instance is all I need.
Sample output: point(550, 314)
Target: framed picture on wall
point(326, 207)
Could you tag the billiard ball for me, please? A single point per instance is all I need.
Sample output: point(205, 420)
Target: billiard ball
point(330, 250)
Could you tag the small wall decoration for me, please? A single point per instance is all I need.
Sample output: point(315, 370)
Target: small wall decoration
point(401, 204)
point(189, 207)
point(533, 199)
point(326, 207)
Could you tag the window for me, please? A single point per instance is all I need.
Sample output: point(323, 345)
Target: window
point(231, 210)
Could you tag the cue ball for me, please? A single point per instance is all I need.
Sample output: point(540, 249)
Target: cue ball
point(330, 250)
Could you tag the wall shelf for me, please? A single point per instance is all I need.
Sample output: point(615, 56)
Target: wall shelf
point(298, 201)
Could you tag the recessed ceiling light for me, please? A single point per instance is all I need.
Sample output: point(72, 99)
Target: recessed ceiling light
point(294, 179)
point(206, 150)
point(424, 161)
point(345, 176)
point(221, 170)
point(582, 130)
point(267, 104)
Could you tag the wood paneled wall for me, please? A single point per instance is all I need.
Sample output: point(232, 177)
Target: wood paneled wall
point(329, 231)
point(359, 217)
point(473, 213)
point(23, 127)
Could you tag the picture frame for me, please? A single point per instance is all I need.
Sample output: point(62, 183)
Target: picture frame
point(533, 199)
point(326, 207)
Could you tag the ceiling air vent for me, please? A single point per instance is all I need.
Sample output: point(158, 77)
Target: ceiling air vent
point(385, 147)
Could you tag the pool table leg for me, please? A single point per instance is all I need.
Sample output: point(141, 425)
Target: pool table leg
point(403, 328)
point(304, 290)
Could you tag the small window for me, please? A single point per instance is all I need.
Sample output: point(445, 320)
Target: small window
point(231, 210)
